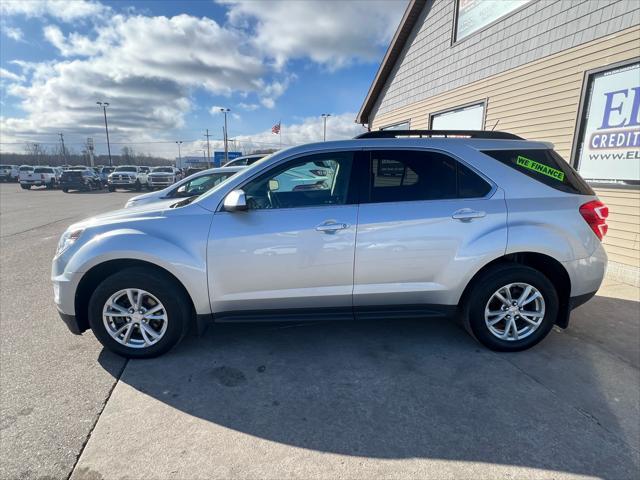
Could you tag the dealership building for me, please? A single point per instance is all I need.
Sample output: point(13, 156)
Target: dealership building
point(563, 71)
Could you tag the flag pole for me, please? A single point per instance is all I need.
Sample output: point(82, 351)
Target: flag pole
point(280, 132)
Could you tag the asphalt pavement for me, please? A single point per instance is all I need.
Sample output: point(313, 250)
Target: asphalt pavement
point(386, 399)
point(52, 386)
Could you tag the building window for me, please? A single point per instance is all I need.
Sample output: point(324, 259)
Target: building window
point(607, 147)
point(467, 117)
point(397, 126)
point(474, 15)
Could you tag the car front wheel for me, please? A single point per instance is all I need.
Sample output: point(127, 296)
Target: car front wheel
point(138, 313)
point(511, 308)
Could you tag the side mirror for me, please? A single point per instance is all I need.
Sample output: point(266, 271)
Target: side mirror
point(235, 201)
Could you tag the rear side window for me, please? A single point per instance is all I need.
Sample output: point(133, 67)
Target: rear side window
point(545, 166)
point(406, 175)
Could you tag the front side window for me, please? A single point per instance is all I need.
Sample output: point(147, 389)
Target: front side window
point(404, 176)
point(311, 181)
point(201, 184)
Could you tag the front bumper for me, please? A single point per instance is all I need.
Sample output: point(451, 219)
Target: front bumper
point(160, 182)
point(71, 322)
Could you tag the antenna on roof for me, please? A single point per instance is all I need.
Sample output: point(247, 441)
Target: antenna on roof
point(496, 124)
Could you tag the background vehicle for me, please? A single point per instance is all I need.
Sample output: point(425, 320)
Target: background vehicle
point(194, 185)
point(9, 173)
point(39, 177)
point(161, 177)
point(191, 170)
point(83, 180)
point(129, 177)
point(433, 239)
point(24, 171)
point(104, 174)
point(245, 160)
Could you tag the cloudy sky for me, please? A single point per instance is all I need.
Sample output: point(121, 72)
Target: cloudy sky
point(166, 68)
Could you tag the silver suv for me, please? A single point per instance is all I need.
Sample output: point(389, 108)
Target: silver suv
point(482, 226)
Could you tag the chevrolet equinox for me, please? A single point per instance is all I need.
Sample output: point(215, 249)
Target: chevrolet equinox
point(495, 230)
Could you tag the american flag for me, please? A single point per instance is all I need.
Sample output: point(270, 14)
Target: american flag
point(276, 128)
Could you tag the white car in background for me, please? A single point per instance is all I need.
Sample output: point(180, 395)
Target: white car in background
point(9, 173)
point(161, 177)
point(195, 184)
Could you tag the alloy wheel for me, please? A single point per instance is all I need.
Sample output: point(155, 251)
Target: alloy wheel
point(514, 311)
point(135, 318)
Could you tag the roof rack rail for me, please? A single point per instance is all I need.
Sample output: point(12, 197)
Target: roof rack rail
point(440, 133)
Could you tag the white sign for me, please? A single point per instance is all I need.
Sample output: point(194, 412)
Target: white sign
point(610, 149)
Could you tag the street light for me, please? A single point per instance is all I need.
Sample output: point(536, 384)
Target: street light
point(226, 144)
point(179, 142)
point(324, 119)
point(104, 106)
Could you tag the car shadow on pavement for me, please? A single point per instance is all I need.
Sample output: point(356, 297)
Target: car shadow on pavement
point(400, 389)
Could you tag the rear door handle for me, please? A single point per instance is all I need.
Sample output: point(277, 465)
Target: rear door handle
point(468, 214)
point(331, 227)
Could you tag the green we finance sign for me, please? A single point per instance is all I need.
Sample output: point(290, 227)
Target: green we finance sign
point(540, 168)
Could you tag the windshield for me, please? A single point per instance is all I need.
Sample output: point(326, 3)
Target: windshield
point(125, 169)
point(26, 169)
point(107, 170)
point(163, 169)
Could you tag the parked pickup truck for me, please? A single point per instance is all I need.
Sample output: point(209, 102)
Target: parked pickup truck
point(161, 177)
point(129, 177)
point(9, 173)
point(39, 177)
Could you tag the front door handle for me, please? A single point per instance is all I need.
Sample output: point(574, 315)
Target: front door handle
point(468, 214)
point(331, 227)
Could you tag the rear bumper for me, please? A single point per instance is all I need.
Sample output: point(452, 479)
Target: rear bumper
point(575, 302)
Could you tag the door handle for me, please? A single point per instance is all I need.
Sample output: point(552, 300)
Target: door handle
point(468, 214)
point(331, 227)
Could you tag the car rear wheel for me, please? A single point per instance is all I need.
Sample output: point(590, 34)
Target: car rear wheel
point(511, 308)
point(26, 187)
point(138, 313)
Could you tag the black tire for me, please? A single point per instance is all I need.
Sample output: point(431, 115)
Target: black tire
point(173, 298)
point(65, 189)
point(111, 188)
point(26, 187)
point(138, 186)
point(488, 283)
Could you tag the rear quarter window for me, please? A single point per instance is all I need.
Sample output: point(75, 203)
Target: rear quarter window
point(545, 166)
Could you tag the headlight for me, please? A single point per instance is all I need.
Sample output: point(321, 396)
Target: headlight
point(67, 239)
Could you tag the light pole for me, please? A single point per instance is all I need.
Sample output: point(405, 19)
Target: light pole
point(179, 142)
point(324, 119)
point(104, 106)
point(226, 136)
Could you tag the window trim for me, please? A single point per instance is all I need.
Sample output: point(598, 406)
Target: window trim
point(455, 41)
point(581, 117)
point(484, 102)
point(365, 194)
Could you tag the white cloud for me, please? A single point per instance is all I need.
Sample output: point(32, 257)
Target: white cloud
point(332, 33)
point(4, 73)
point(216, 110)
point(64, 10)
point(14, 33)
point(74, 45)
point(310, 129)
point(249, 107)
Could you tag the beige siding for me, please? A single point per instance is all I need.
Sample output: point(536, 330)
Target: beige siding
point(540, 101)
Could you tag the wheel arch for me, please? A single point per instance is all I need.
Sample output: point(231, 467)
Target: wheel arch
point(545, 264)
point(92, 278)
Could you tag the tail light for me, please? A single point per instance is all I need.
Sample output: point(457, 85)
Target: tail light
point(595, 213)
